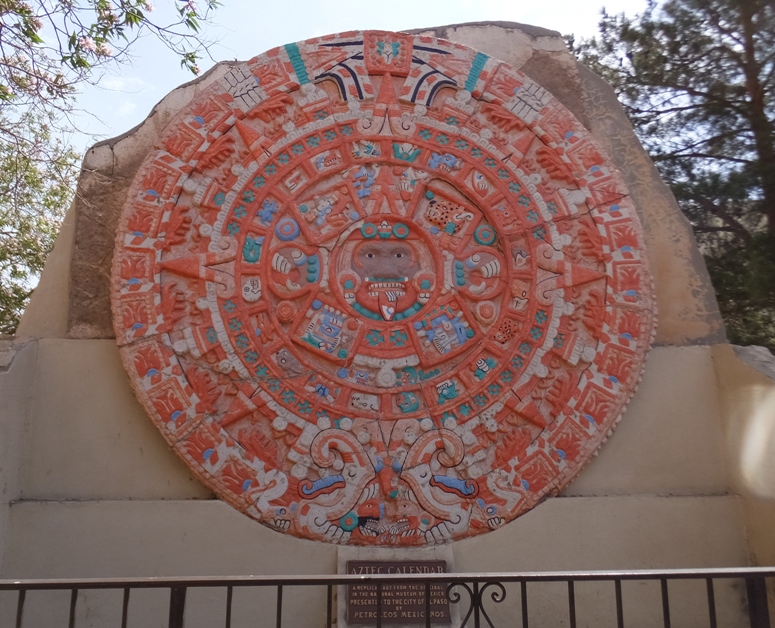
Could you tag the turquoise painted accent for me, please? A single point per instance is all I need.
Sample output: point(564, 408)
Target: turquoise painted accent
point(313, 271)
point(374, 338)
point(407, 402)
point(476, 69)
point(349, 522)
point(405, 155)
point(368, 313)
point(410, 311)
point(251, 250)
point(447, 392)
point(298, 65)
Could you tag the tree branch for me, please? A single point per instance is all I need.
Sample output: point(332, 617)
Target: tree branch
point(713, 208)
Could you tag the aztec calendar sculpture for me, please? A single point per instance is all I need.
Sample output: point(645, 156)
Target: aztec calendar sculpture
point(381, 289)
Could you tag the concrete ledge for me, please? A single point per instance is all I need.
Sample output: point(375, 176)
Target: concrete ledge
point(758, 358)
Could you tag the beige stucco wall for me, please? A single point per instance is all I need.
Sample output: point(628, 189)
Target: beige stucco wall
point(746, 378)
point(90, 488)
point(87, 437)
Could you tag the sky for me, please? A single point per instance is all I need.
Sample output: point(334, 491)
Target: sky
point(241, 29)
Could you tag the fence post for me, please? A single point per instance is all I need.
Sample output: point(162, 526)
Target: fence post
point(177, 606)
point(758, 610)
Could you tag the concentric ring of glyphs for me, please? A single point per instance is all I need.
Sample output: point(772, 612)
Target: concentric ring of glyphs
point(381, 289)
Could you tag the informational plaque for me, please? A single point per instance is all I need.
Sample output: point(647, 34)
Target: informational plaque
point(402, 603)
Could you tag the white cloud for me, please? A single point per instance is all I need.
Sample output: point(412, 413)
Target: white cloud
point(131, 84)
point(125, 109)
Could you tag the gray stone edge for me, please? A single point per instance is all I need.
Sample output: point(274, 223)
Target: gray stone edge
point(758, 358)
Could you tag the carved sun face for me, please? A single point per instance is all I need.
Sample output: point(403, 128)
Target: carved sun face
point(386, 269)
point(385, 260)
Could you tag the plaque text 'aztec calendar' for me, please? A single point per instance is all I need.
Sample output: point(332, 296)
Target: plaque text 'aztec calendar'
point(381, 289)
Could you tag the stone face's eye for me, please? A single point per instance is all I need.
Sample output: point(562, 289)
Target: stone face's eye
point(370, 255)
point(399, 254)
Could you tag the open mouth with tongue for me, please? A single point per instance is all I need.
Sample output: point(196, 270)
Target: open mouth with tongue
point(388, 292)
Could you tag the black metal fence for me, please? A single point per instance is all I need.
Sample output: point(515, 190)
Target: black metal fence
point(473, 596)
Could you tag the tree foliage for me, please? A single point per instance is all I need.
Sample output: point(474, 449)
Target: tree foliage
point(37, 174)
point(47, 49)
point(697, 79)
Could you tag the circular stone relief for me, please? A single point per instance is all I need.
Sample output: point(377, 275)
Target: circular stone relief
point(381, 289)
